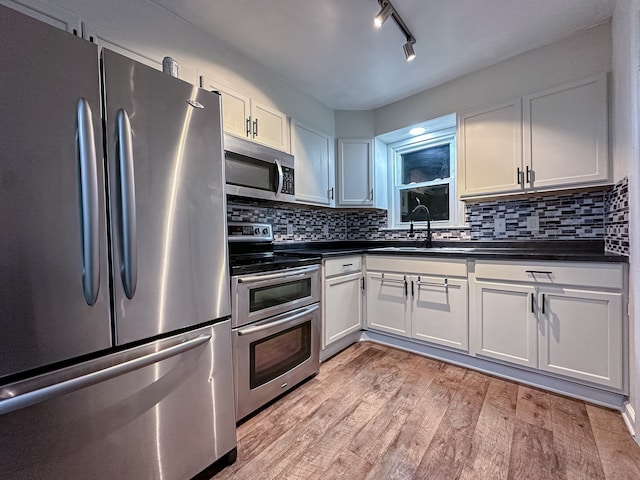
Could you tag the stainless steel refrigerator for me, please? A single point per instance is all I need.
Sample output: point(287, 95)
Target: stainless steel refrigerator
point(115, 340)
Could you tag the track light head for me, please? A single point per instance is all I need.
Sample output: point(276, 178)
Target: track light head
point(382, 16)
point(408, 50)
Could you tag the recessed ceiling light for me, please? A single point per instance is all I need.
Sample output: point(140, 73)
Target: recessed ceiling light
point(417, 131)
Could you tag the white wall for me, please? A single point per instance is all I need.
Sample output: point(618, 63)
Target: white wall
point(580, 55)
point(355, 123)
point(150, 30)
point(625, 147)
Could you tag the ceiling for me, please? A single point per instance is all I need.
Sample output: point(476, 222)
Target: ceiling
point(331, 50)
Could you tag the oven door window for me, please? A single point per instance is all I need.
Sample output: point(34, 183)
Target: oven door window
point(275, 355)
point(262, 298)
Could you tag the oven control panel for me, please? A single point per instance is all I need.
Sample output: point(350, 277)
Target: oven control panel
point(249, 232)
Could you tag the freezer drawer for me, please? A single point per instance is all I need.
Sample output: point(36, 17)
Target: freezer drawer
point(161, 410)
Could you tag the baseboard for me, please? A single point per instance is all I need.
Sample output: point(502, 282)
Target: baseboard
point(629, 417)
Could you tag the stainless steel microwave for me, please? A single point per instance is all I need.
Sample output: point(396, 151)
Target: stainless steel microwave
point(257, 171)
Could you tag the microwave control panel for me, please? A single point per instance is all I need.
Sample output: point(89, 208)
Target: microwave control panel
point(287, 181)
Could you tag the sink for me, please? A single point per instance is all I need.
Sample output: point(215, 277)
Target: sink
point(428, 249)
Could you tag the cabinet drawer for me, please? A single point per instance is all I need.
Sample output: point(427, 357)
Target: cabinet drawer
point(607, 275)
point(342, 265)
point(449, 267)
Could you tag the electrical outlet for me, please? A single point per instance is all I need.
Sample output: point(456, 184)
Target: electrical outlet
point(533, 224)
point(326, 230)
point(290, 230)
point(500, 225)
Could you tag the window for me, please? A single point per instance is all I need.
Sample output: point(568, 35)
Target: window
point(424, 173)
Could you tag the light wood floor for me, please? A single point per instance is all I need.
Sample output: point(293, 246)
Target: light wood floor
point(375, 412)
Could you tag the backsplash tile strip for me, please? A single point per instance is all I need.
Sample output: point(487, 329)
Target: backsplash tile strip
point(617, 219)
point(600, 214)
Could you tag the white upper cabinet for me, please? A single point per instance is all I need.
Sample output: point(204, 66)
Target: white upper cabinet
point(566, 134)
point(355, 172)
point(45, 12)
point(314, 170)
point(490, 150)
point(244, 117)
point(549, 140)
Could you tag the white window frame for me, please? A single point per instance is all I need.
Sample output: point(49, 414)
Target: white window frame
point(395, 151)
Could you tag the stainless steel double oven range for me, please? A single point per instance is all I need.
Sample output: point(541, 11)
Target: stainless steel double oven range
point(275, 317)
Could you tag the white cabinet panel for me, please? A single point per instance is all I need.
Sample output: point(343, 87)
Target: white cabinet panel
point(490, 150)
point(505, 324)
point(581, 335)
point(244, 117)
point(355, 172)
point(387, 306)
point(314, 172)
point(342, 307)
point(566, 134)
point(439, 312)
point(45, 12)
point(270, 127)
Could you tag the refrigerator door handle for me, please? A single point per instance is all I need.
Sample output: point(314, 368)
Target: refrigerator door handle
point(89, 202)
point(27, 399)
point(129, 262)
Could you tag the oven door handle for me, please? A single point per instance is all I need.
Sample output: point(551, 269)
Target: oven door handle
point(286, 318)
point(293, 273)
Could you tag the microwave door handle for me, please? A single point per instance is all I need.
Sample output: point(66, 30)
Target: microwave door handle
point(280, 177)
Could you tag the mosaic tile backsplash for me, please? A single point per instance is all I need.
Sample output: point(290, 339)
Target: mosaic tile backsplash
point(616, 237)
point(600, 214)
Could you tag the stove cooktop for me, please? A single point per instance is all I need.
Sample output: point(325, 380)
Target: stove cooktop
point(248, 263)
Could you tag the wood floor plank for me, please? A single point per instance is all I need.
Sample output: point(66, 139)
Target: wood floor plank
point(534, 407)
point(382, 413)
point(532, 454)
point(401, 459)
point(451, 445)
point(619, 454)
point(606, 419)
point(491, 445)
point(312, 463)
point(573, 439)
point(347, 466)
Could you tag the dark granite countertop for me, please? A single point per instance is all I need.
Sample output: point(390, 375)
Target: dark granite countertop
point(565, 250)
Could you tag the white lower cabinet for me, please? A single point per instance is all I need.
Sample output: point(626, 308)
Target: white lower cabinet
point(503, 325)
point(342, 298)
point(387, 303)
point(574, 329)
point(428, 303)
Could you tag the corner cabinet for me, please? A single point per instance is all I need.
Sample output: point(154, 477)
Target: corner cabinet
point(549, 140)
point(314, 171)
point(562, 318)
point(422, 299)
point(355, 175)
point(244, 117)
point(341, 298)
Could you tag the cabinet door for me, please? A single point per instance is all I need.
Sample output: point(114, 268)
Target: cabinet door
point(439, 311)
point(505, 324)
point(355, 172)
point(269, 127)
point(45, 12)
point(235, 108)
point(105, 38)
point(387, 305)
point(581, 335)
point(489, 150)
point(342, 307)
point(314, 171)
point(566, 134)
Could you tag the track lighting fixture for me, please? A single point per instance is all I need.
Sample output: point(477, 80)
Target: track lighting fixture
point(387, 10)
